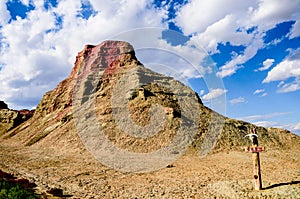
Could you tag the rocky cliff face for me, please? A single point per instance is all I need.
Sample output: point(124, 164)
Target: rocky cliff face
point(108, 87)
point(10, 119)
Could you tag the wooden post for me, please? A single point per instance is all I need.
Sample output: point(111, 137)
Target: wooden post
point(142, 94)
point(256, 163)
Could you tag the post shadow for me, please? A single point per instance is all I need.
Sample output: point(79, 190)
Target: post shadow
point(281, 184)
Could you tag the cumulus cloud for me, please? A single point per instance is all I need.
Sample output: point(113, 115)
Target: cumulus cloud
point(266, 65)
point(271, 12)
point(284, 70)
point(213, 94)
point(238, 100)
point(288, 68)
point(231, 22)
point(197, 15)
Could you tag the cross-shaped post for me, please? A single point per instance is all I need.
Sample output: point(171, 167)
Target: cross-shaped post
point(256, 163)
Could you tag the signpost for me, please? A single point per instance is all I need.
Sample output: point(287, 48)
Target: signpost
point(255, 149)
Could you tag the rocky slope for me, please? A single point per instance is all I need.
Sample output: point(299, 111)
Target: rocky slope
point(109, 93)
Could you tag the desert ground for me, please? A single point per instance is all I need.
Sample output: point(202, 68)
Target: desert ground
point(226, 174)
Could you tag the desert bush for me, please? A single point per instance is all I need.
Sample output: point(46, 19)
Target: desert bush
point(10, 190)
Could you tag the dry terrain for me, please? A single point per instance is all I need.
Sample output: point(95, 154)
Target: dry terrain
point(52, 147)
point(220, 175)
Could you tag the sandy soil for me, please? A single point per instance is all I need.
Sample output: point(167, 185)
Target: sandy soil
point(220, 175)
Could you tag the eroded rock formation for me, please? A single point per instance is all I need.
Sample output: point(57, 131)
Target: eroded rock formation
point(102, 73)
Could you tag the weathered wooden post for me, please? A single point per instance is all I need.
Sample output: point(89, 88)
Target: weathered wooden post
point(255, 149)
point(256, 163)
point(142, 93)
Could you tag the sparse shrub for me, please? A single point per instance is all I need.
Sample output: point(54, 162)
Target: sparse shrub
point(10, 190)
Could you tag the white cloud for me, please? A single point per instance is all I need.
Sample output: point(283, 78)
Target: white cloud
point(201, 92)
point(197, 15)
point(266, 123)
point(233, 65)
point(283, 71)
point(271, 12)
point(281, 83)
point(222, 31)
point(181, 61)
point(258, 91)
point(268, 120)
point(264, 94)
point(295, 127)
point(213, 94)
point(266, 65)
point(238, 100)
point(25, 2)
point(290, 87)
point(230, 22)
point(5, 15)
point(295, 32)
point(288, 68)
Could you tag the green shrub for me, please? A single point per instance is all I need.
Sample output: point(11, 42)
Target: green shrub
point(10, 190)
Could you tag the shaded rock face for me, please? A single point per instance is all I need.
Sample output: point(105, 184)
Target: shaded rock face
point(10, 119)
point(3, 105)
point(102, 72)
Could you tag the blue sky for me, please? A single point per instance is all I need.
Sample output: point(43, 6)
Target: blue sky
point(254, 46)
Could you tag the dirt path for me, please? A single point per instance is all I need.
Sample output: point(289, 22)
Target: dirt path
point(221, 175)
